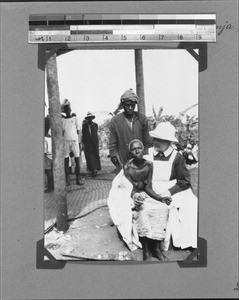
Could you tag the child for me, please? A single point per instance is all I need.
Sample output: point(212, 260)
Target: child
point(150, 208)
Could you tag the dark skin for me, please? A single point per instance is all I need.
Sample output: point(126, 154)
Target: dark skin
point(89, 120)
point(67, 110)
point(136, 149)
point(129, 107)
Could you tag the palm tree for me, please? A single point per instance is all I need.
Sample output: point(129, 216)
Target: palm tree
point(57, 142)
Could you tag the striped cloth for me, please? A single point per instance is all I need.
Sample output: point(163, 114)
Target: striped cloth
point(151, 219)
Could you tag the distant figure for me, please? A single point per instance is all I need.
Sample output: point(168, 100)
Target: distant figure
point(71, 161)
point(80, 141)
point(189, 156)
point(126, 126)
point(91, 144)
point(70, 137)
point(195, 151)
point(48, 163)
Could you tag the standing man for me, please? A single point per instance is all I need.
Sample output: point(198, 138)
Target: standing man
point(125, 127)
point(70, 137)
point(91, 144)
point(48, 164)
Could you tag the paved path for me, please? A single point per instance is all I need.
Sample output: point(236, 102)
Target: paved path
point(81, 199)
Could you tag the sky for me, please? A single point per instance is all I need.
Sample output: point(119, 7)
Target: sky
point(94, 80)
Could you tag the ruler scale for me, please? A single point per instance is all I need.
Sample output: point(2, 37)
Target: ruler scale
point(126, 28)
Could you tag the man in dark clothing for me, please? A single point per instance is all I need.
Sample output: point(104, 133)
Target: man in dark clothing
point(125, 127)
point(91, 144)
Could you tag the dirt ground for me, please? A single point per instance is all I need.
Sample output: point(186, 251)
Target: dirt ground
point(93, 237)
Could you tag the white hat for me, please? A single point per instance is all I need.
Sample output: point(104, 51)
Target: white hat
point(164, 131)
point(89, 116)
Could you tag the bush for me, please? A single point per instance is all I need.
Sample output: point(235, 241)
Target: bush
point(186, 128)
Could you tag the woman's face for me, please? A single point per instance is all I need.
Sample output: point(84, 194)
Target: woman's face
point(161, 145)
point(136, 150)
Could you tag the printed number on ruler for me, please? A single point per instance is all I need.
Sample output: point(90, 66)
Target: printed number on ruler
point(40, 38)
point(198, 36)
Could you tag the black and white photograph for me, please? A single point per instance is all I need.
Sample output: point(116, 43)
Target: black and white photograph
point(125, 139)
point(119, 149)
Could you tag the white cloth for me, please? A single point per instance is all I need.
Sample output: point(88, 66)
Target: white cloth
point(182, 222)
point(48, 147)
point(71, 146)
point(151, 219)
point(120, 204)
point(70, 127)
point(195, 152)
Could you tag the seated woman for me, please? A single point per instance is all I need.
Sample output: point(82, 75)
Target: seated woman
point(171, 178)
point(149, 217)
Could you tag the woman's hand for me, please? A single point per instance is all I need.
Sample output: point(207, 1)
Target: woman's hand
point(166, 197)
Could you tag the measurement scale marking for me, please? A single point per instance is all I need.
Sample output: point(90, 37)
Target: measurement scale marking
point(121, 28)
point(91, 32)
point(121, 22)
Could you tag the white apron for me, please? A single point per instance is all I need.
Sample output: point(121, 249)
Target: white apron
point(182, 221)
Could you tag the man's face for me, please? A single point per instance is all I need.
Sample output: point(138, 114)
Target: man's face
point(136, 150)
point(90, 119)
point(129, 107)
point(67, 110)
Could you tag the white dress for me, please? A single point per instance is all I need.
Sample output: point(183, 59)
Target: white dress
point(181, 217)
point(120, 206)
point(182, 221)
point(149, 221)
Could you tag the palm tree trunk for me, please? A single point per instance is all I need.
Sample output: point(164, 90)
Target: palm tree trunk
point(57, 143)
point(139, 74)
